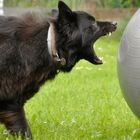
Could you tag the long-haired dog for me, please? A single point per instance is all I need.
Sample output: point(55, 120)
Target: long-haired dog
point(34, 49)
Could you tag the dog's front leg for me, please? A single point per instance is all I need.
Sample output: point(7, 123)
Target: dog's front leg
point(16, 123)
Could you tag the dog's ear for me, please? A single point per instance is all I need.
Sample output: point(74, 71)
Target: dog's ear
point(65, 13)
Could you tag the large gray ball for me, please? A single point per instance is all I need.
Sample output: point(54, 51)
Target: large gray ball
point(129, 63)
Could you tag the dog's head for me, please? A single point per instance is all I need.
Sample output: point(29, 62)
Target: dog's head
point(77, 32)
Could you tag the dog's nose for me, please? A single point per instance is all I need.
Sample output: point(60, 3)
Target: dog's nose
point(114, 23)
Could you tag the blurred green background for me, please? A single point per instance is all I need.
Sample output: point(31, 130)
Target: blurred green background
point(73, 3)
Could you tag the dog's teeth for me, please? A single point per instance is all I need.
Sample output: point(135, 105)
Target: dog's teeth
point(114, 23)
point(101, 58)
point(109, 33)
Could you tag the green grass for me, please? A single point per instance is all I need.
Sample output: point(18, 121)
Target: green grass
point(85, 104)
point(42, 3)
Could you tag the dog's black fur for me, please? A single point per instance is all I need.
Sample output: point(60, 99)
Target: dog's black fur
point(25, 63)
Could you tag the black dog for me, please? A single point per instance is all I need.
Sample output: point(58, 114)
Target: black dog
point(34, 49)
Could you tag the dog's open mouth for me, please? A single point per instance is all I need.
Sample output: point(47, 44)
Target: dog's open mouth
point(106, 30)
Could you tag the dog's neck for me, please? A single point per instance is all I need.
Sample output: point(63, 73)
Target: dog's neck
point(51, 40)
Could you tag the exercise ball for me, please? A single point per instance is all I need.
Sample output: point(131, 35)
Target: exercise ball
point(129, 63)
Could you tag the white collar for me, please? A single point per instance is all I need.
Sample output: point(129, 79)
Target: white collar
point(51, 39)
point(51, 42)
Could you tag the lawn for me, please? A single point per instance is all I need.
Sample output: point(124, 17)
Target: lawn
point(86, 104)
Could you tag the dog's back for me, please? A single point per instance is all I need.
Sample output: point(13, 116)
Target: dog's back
point(23, 51)
point(26, 25)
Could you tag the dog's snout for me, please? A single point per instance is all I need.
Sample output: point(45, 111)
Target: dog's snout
point(114, 23)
